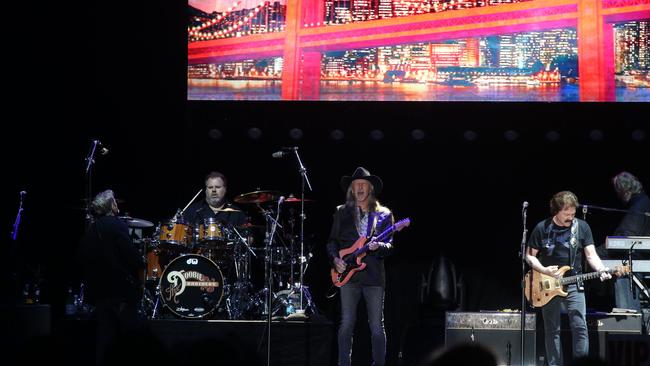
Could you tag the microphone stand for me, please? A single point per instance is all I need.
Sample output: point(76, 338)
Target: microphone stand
point(629, 259)
point(305, 180)
point(523, 279)
point(90, 160)
point(584, 209)
point(14, 233)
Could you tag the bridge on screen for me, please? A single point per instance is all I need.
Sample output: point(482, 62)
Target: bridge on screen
point(301, 44)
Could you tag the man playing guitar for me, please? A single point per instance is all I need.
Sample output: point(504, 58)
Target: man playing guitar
point(559, 241)
point(361, 216)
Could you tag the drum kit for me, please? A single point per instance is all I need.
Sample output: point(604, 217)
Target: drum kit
point(211, 269)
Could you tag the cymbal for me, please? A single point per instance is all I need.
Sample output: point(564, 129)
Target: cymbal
point(133, 222)
point(227, 209)
point(296, 199)
point(257, 197)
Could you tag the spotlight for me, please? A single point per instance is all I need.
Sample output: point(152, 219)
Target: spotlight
point(417, 134)
point(215, 134)
point(296, 133)
point(596, 135)
point(553, 136)
point(337, 135)
point(254, 133)
point(638, 135)
point(376, 135)
point(470, 135)
point(511, 135)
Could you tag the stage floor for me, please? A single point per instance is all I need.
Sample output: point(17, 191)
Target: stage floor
point(173, 341)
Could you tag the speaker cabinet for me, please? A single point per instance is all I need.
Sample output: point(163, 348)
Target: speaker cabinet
point(498, 332)
point(600, 326)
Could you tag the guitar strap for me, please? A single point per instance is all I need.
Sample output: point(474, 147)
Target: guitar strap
point(372, 224)
point(573, 250)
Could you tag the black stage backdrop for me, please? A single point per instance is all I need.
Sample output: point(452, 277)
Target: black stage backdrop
point(122, 80)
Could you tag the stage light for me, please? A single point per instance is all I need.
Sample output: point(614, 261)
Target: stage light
point(254, 133)
point(215, 134)
point(337, 135)
point(638, 135)
point(553, 136)
point(596, 135)
point(470, 135)
point(296, 133)
point(417, 134)
point(376, 135)
point(511, 135)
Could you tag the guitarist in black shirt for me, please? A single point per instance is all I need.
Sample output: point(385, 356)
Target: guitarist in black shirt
point(556, 242)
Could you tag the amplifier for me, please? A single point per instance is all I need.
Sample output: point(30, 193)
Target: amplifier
point(600, 325)
point(498, 332)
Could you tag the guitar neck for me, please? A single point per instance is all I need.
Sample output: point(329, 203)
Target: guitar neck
point(581, 277)
point(380, 237)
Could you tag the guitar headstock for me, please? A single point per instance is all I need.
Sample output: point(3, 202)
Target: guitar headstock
point(621, 270)
point(402, 224)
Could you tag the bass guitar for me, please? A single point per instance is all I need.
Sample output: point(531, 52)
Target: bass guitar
point(541, 288)
point(353, 255)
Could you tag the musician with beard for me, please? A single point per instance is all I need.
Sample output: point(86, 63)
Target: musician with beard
point(558, 240)
point(215, 205)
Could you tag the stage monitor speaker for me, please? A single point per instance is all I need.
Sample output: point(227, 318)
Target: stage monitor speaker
point(496, 331)
point(600, 325)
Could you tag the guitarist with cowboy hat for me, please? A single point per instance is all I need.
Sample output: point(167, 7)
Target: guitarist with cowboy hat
point(361, 216)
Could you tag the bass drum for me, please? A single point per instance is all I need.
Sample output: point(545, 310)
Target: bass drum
point(191, 286)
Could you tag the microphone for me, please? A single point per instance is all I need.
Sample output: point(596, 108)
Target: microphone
point(102, 149)
point(22, 193)
point(525, 205)
point(280, 200)
point(285, 151)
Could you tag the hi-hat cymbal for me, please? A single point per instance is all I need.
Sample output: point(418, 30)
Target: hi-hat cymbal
point(133, 222)
point(257, 197)
point(227, 209)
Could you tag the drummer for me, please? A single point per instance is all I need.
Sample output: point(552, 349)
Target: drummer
point(215, 205)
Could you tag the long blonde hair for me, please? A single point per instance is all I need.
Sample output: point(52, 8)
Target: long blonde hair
point(373, 202)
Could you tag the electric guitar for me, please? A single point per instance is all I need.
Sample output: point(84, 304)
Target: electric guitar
point(541, 288)
point(353, 255)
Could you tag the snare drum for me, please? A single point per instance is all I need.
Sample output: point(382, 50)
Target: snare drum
point(191, 286)
point(177, 235)
point(211, 230)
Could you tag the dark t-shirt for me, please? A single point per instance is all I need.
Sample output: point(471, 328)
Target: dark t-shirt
point(199, 211)
point(636, 223)
point(553, 243)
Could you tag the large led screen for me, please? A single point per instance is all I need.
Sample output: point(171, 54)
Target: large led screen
point(419, 50)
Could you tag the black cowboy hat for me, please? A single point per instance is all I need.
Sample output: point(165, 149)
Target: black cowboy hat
point(362, 173)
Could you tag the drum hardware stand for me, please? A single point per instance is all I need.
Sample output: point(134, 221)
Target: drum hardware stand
point(242, 240)
point(305, 180)
point(269, 273)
